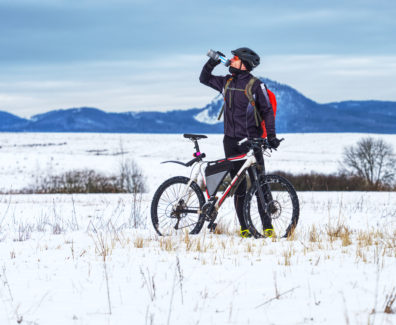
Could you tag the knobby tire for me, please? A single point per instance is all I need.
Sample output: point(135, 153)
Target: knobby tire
point(163, 205)
point(282, 207)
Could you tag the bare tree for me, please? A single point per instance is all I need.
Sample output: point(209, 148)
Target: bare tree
point(132, 179)
point(372, 159)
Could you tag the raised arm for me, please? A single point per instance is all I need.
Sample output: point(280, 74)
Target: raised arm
point(206, 77)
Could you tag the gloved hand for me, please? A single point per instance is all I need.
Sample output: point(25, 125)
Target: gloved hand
point(213, 62)
point(273, 141)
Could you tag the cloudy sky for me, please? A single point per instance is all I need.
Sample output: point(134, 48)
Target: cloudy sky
point(133, 55)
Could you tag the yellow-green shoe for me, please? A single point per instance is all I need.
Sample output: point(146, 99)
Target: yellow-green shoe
point(269, 233)
point(245, 233)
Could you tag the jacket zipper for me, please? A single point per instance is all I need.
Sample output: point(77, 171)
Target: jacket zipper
point(233, 111)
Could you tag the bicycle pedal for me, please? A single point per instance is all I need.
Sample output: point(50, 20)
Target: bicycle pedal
point(212, 227)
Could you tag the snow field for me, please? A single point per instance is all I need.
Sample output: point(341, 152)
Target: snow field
point(95, 259)
point(26, 157)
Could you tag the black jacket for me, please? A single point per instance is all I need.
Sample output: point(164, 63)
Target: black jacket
point(239, 121)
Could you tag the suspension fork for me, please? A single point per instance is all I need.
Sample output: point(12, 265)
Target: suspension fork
point(259, 189)
point(266, 188)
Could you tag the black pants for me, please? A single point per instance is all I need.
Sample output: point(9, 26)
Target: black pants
point(231, 148)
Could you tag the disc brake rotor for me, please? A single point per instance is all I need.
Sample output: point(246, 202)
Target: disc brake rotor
point(177, 211)
point(274, 209)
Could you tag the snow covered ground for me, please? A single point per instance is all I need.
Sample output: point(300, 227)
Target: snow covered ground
point(95, 259)
point(26, 156)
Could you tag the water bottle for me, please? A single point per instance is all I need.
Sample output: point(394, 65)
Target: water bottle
point(216, 56)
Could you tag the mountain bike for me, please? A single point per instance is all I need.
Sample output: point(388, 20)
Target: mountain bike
point(179, 202)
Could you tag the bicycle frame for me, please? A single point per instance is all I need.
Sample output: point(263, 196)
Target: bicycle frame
point(250, 160)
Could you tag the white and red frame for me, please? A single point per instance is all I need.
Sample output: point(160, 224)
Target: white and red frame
point(250, 160)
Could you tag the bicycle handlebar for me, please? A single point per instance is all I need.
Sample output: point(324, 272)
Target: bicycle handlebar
point(242, 141)
point(258, 143)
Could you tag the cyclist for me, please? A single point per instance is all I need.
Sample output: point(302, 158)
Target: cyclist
point(239, 119)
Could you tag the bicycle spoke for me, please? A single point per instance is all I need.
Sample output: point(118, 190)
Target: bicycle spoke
point(175, 205)
point(280, 200)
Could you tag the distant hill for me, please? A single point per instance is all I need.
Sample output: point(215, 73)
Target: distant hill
point(296, 113)
point(12, 121)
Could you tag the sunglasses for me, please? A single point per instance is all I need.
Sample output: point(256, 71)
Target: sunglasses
point(235, 58)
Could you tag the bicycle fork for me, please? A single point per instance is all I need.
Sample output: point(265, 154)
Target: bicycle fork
point(259, 189)
point(264, 216)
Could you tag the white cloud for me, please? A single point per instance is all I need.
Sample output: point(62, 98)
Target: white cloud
point(326, 78)
point(172, 82)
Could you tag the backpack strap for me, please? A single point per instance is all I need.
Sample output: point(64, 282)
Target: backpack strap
point(249, 95)
point(224, 95)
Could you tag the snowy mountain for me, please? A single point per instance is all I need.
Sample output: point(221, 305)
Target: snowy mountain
point(295, 113)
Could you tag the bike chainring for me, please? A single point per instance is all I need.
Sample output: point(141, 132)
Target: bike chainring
point(209, 212)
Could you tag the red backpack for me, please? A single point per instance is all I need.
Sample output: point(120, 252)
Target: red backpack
point(272, 100)
point(248, 92)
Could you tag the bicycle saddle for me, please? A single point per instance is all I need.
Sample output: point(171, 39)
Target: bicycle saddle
point(194, 136)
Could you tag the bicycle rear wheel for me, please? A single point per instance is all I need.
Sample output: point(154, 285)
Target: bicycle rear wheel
point(175, 207)
point(282, 207)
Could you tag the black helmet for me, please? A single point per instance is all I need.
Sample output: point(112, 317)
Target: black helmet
point(248, 57)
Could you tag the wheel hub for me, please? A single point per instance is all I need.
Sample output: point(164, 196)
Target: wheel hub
point(177, 211)
point(274, 209)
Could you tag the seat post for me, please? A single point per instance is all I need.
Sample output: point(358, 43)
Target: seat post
point(196, 145)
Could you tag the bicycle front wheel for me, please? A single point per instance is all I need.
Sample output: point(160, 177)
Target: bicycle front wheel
point(281, 211)
point(176, 206)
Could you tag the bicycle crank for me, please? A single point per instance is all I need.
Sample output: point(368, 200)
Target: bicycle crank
point(210, 214)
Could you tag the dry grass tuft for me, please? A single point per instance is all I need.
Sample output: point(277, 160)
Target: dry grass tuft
point(360, 254)
point(389, 300)
point(222, 229)
point(287, 254)
point(138, 242)
point(166, 244)
point(314, 235)
point(249, 247)
point(346, 238)
point(198, 247)
point(364, 238)
point(187, 240)
point(338, 232)
point(390, 244)
point(292, 236)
